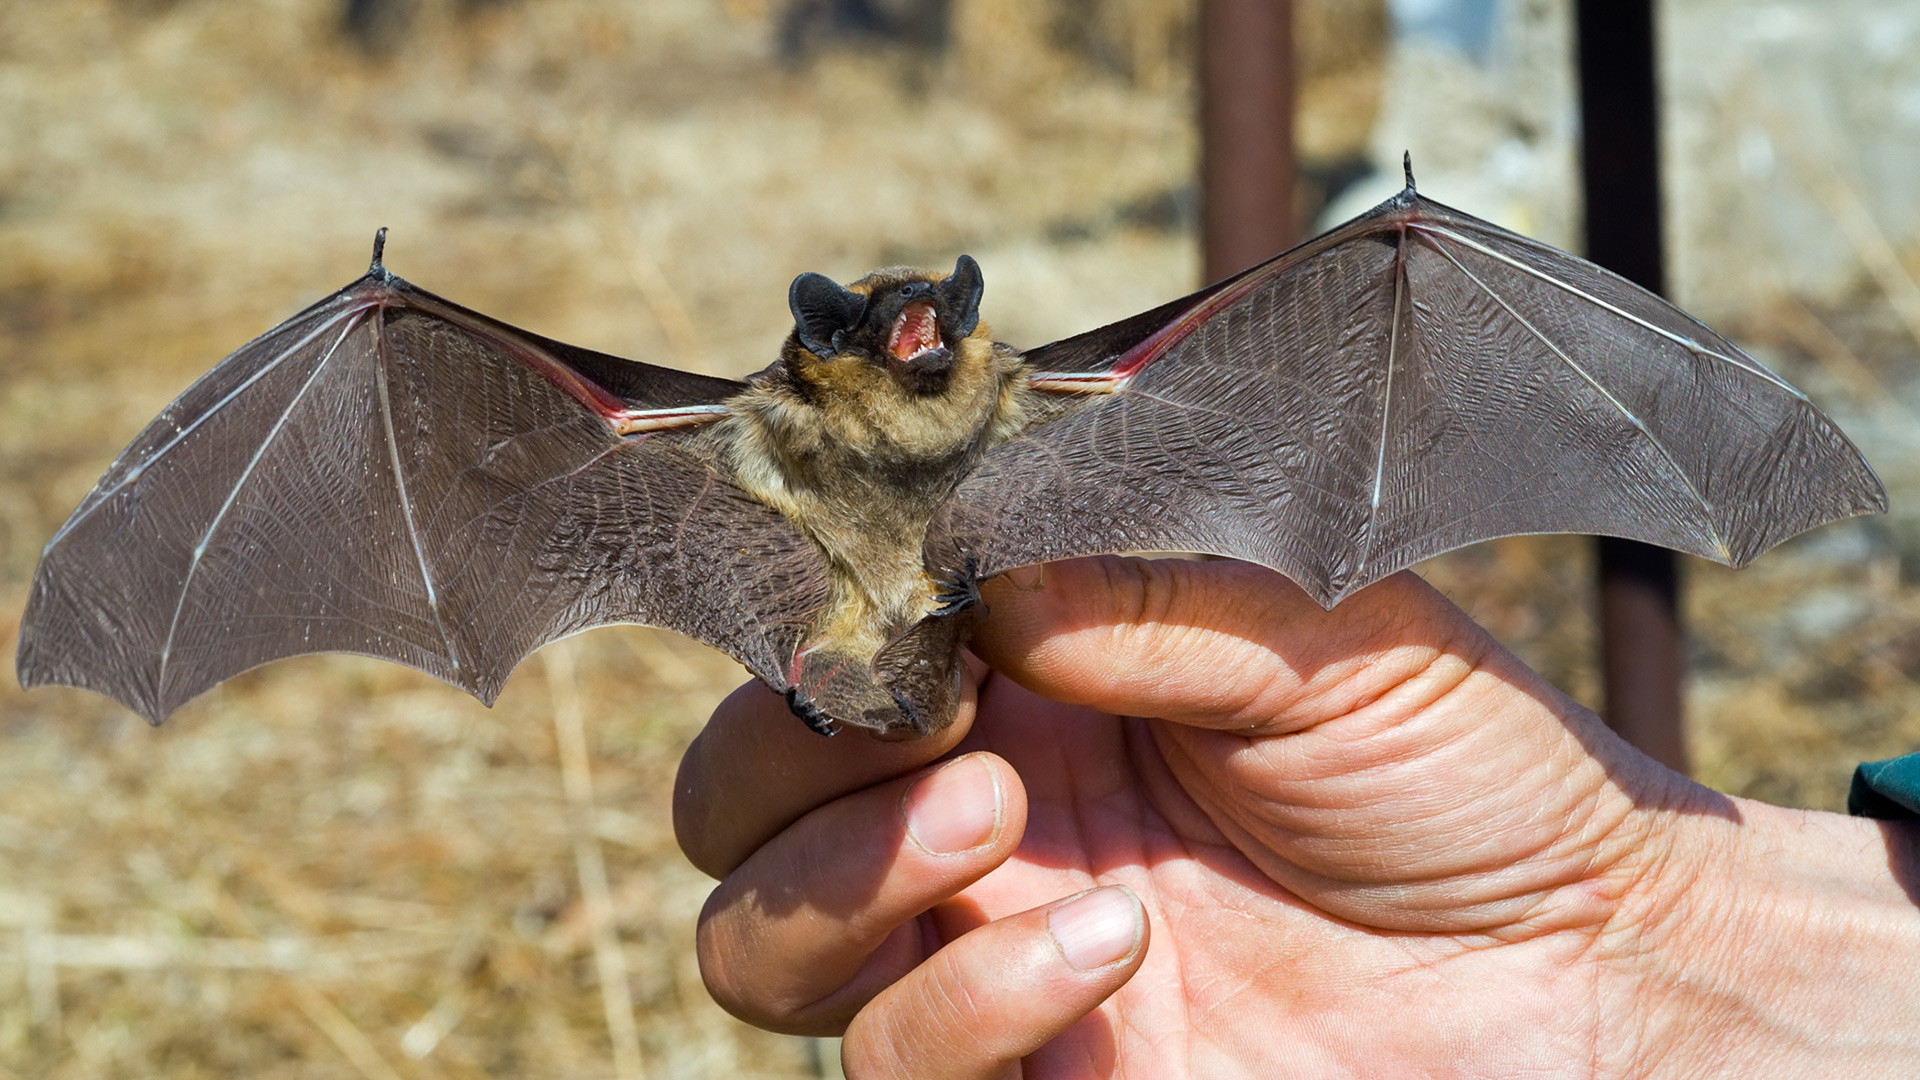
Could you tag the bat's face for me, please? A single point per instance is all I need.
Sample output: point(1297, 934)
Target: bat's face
point(906, 323)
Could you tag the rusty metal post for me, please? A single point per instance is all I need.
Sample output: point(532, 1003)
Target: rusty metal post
point(1246, 133)
point(1642, 655)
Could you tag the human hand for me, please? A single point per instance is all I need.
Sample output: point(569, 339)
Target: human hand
point(1368, 841)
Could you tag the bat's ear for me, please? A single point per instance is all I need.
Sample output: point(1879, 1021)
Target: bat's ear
point(822, 311)
point(960, 296)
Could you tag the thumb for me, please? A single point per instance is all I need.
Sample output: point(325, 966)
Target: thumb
point(1219, 644)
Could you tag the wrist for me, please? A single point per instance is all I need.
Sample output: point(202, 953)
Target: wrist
point(1770, 942)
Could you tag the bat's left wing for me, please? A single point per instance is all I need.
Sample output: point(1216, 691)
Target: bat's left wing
point(389, 473)
point(1411, 382)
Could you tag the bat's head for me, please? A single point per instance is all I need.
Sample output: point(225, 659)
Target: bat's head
point(911, 324)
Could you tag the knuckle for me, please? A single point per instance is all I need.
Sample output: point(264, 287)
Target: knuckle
point(735, 971)
point(693, 818)
point(946, 1018)
point(1175, 619)
point(716, 948)
point(1134, 589)
point(757, 969)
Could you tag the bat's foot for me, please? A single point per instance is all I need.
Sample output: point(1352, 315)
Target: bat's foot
point(916, 721)
point(817, 722)
point(960, 592)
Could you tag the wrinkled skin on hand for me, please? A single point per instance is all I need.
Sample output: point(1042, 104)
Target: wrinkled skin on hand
point(1366, 842)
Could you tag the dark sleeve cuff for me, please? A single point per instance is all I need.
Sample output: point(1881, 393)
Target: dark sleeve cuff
point(1889, 790)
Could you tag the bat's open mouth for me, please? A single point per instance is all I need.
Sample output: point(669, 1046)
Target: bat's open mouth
point(915, 351)
point(915, 333)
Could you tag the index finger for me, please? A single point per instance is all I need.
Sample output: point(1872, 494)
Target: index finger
point(756, 769)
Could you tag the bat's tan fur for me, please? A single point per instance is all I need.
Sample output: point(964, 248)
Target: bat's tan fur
point(860, 462)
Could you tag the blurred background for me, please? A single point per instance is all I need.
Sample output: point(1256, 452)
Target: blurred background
point(337, 868)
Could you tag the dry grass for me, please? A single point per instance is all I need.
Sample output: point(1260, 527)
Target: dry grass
point(332, 867)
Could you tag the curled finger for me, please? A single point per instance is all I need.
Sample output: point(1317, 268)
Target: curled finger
point(826, 914)
point(1008, 990)
point(756, 769)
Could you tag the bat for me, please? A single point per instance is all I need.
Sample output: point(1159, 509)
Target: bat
point(392, 474)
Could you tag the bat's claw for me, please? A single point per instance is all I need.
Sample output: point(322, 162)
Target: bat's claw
point(817, 722)
point(916, 721)
point(960, 592)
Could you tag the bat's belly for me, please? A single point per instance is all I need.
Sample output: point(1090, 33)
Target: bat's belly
point(879, 591)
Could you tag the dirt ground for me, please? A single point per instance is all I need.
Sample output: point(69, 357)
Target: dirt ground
point(334, 867)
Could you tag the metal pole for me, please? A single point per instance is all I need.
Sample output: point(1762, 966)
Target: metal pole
point(1246, 133)
point(1642, 655)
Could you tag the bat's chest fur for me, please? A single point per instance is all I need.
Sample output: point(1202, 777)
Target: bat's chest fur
point(862, 474)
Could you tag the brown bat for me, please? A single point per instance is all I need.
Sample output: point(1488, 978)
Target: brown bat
point(392, 474)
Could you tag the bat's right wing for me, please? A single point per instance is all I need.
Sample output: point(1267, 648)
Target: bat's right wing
point(1414, 381)
point(388, 473)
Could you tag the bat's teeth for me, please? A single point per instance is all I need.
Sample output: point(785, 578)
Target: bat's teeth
point(915, 332)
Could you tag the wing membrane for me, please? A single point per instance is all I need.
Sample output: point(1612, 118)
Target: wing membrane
point(390, 474)
point(1412, 382)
